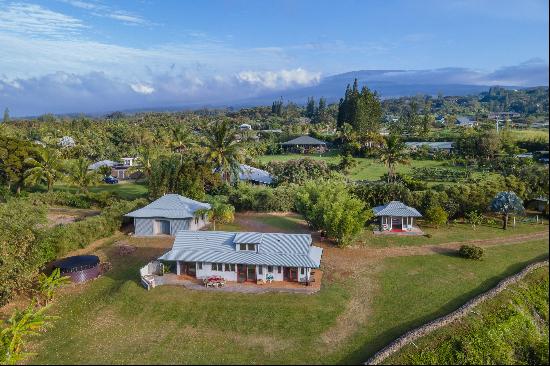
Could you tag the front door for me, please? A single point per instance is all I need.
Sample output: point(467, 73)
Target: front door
point(189, 268)
point(162, 227)
point(290, 274)
point(246, 273)
point(396, 223)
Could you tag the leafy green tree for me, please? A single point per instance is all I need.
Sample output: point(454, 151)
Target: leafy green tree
point(220, 213)
point(474, 218)
point(361, 109)
point(506, 203)
point(223, 151)
point(17, 329)
point(13, 154)
point(329, 206)
point(46, 167)
point(436, 216)
point(298, 170)
point(80, 176)
point(393, 153)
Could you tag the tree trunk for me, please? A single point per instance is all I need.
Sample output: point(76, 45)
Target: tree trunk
point(505, 221)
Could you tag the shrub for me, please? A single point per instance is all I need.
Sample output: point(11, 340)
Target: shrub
point(298, 170)
point(247, 197)
point(470, 252)
point(436, 216)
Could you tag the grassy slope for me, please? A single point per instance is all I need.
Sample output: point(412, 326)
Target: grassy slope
point(511, 328)
point(116, 321)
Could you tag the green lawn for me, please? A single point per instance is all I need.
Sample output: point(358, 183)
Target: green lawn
point(125, 190)
point(449, 233)
point(511, 328)
point(114, 320)
point(368, 169)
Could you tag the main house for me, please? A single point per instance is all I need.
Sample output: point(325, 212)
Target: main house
point(244, 256)
point(168, 215)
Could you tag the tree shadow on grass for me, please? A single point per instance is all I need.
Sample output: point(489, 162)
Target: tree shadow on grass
point(368, 350)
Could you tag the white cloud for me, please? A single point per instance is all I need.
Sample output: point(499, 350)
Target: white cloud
point(142, 88)
point(104, 11)
point(279, 79)
point(36, 21)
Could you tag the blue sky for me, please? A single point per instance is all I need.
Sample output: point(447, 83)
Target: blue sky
point(93, 55)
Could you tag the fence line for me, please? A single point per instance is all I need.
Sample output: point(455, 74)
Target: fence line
point(462, 311)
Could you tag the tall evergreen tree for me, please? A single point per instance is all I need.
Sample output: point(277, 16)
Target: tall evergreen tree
point(310, 108)
point(362, 110)
point(6, 118)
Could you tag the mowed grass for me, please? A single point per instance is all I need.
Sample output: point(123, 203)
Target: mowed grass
point(114, 320)
point(511, 328)
point(530, 134)
point(366, 169)
point(124, 190)
point(458, 232)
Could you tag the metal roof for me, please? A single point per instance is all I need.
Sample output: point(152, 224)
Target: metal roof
point(254, 174)
point(101, 163)
point(435, 145)
point(396, 208)
point(171, 206)
point(304, 140)
point(289, 250)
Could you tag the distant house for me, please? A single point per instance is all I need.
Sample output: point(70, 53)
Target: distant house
point(244, 256)
point(168, 215)
point(445, 146)
point(396, 217)
point(66, 141)
point(245, 126)
point(464, 122)
point(305, 144)
point(440, 119)
point(254, 175)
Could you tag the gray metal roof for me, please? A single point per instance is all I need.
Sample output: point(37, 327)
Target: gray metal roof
point(250, 173)
point(461, 120)
point(304, 140)
point(171, 206)
point(101, 163)
point(289, 250)
point(436, 145)
point(396, 208)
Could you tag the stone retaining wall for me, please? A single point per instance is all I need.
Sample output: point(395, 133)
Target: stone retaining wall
point(464, 310)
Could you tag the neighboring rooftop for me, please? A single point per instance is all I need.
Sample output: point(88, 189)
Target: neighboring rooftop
point(101, 163)
point(171, 206)
point(249, 173)
point(435, 145)
point(289, 250)
point(396, 208)
point(304, 140)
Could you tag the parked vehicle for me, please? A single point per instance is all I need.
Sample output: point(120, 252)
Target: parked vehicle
point(110, 180)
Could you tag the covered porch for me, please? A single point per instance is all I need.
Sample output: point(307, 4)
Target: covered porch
point(395, 217)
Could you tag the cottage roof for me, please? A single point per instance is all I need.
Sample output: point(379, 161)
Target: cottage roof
point(304, 140)
point(170, 206)
point(435, 145)
point(248, 172)
point(101, 163)
point(396, 208)
point(276, 249)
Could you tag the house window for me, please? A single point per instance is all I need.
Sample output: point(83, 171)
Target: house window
point(217, 267)
point(196, 220)
point(270, 269)
point(199, 265)
point(302, 271)
point(229, 267)
point(251, 247)
point(242, 246)
point(279, 269)
point(260, 269)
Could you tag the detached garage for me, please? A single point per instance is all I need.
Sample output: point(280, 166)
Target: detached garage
point(169, 214)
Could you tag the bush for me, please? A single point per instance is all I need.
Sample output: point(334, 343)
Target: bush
point(436, 216)
point(298, 170)
point(470, 252)
point(247, 197)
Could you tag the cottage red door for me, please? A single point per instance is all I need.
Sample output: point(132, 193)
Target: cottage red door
point(290, 274)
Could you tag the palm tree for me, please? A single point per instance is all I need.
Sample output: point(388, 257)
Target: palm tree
point(147, 153)
point(182, 139)
point(392, 154)
point(223, 150)
point(45, 167)
point(80, 176)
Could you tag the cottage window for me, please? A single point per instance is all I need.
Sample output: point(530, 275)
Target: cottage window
point(217, 267)
point(279, 269)
point(229, 267)
point(199, 265)
point(242, 246)
point(251, 247)
point(270, 269)
point(301, 271)
point(260, 269)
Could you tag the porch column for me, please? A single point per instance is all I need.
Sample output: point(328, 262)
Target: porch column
point(401, 222)
point(178, 268)
point(391, 221)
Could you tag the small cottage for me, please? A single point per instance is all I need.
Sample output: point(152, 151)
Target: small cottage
point(305, 144)
point(168, 215)
point(396, 217)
